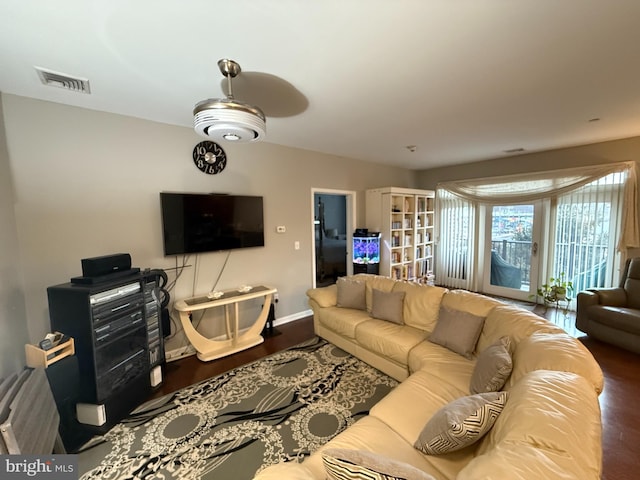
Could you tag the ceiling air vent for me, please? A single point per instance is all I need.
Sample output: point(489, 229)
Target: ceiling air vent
point(62, 80)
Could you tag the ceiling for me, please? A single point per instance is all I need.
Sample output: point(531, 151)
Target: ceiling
point(461, 80)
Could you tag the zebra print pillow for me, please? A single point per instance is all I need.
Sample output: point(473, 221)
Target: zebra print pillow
point(343, 464)
point(461, 423)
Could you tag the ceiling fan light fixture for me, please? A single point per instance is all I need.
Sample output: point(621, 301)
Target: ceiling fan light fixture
point(229, 119)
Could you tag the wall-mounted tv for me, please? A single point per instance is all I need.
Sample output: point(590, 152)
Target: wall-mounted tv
point(201, 222)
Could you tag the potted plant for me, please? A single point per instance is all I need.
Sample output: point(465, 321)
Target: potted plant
point(556, 290)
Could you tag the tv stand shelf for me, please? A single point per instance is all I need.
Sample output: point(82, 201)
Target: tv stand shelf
point(209, 349)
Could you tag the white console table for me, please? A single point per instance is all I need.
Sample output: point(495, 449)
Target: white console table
point(209, 349)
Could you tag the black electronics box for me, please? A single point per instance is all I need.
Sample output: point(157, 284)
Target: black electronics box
point(105, 265)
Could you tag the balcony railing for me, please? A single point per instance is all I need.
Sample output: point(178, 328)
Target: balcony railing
point(518, 254)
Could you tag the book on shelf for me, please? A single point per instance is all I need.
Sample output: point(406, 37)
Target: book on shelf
point(396, 273)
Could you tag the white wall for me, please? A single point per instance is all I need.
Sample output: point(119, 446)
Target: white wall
point(624, 150)
point(593, 154)
point(87, 183)
point(13, 318)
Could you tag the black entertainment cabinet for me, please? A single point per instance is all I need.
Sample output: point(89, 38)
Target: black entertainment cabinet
point(118, 340)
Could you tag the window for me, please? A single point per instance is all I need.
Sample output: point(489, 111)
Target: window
point(591, 215)
point(586, 224)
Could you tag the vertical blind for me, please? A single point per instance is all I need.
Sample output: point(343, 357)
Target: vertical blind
point(586, 224)
point(454, 240)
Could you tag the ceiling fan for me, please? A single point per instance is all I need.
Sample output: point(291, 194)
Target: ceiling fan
point(227, 118)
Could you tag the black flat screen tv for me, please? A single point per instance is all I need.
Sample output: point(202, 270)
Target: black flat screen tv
point(201, 222)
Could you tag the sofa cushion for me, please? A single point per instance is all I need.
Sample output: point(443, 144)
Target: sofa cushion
point(343, 321)
point(492, 368)
point(421, 304)
point(555, 351)
point(374, 435)
point(387, 306)
point(388, 339)
point(620, 318)
point(512, 321)
point(324, 296)
point(409, 406)
point(461, 423)
point(447, 366)
point(378, 282)
point(345, 464)
point(351, 293)
point(288, 470)
point(550, 424)
point(457, 330)
point(471, 302)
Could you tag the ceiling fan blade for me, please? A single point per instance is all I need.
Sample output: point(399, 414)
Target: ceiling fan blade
point(273, 95)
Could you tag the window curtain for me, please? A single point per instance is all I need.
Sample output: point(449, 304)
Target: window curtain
point(457, 202)
point(537, 186)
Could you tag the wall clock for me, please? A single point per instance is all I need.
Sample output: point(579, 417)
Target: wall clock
point(209, 157)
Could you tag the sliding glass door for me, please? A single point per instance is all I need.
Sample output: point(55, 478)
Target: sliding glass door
point(511, 249)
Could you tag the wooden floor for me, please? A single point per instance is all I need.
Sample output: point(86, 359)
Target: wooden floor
point(620, 414)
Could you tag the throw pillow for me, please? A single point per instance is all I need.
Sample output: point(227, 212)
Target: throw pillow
point(458, 331)
point(461, 423)
point(493, 367)
point(343, 464)
point(387, 306)
point(351, 294)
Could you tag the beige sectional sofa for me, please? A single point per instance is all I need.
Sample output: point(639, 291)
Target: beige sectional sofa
point(548, 428)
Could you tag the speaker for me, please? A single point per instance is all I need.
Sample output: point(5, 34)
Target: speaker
point(155, 376)
point(91, 414)
point(99, 266)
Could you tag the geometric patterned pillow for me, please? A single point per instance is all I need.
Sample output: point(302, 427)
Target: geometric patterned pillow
point(492, 368)
point(344, 464)
point(461, 423)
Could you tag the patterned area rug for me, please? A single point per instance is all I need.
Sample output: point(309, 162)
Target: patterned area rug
point(280, 408)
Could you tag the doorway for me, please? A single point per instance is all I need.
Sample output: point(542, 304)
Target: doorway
point(511, 248)
point(332, 233)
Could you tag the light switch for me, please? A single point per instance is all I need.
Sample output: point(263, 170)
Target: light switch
point(296, 245)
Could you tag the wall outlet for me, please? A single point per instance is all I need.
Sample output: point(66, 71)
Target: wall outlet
point(276, 297)
point(178, 353)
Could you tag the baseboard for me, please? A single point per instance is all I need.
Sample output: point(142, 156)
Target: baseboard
point(293, 317)
point(178, 353)
point(188, 350)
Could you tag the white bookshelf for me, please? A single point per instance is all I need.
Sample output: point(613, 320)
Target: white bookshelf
point(405, 218)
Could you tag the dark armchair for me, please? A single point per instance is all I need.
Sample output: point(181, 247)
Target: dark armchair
point(613, 314)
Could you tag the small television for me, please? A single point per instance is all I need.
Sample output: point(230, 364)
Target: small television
point(201, 222)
